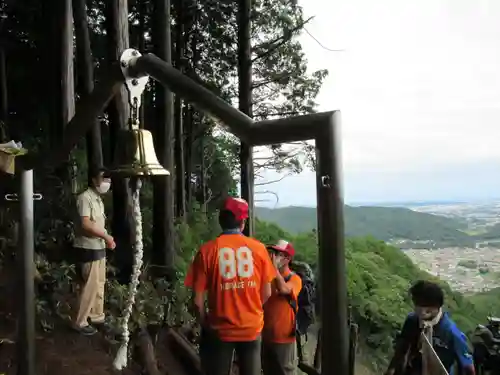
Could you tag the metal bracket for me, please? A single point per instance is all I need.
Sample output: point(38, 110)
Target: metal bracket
point(15, 198)
point(135, 85)
point(326, 181)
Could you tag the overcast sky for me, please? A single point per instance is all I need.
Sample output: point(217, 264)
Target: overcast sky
point(418, 86)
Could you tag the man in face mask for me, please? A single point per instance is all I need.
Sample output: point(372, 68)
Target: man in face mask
point(91, 241)
point(429, 324)
point(279, 355)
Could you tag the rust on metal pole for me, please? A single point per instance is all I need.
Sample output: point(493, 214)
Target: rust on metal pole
point(332, 271)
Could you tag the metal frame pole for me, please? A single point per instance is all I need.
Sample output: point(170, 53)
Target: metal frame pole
point(166, 74)
point(321, 126)
point(333, 288)
point(26, 318)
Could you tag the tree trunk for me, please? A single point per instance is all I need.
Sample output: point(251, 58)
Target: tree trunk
point(184, 349)
point(147, 352)
point(4, 108)
point(85, 74)
point(179, 130)
point(188, 161)
point(64, 99)
point(67, 105)
point(203, 175)
point(245, 104)
point(163, 192)
point(190, 116)
point(118, 112)
point(141, 45)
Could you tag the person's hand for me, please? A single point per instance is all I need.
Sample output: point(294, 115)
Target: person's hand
point(276, 261)
point(110, 242)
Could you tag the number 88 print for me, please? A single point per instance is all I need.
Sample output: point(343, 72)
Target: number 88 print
point(234, 263)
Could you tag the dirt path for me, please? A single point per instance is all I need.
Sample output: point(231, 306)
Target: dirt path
point(310, 347)
point(59, 352)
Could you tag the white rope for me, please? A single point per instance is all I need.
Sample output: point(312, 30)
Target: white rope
point(430, 360)
point(120, 361)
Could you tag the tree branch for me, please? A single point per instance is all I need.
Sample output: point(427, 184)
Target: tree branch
point(278, 42)
point(272, 181)
point(269, 192)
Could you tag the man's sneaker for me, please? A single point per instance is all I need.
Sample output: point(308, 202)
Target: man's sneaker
point(86, 330)
point(100, 324)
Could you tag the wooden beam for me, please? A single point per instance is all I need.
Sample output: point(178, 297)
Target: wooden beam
point(87, 110)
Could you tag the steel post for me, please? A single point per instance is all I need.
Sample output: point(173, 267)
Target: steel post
point(238, 122)
point(332, 268)
point(289, 129)
point(26, 317)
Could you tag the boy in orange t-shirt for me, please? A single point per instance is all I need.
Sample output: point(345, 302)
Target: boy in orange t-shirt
point(233, 273)
point(279, 355)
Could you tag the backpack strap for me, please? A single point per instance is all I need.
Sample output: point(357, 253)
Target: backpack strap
point(289, 276)
point(293, 305)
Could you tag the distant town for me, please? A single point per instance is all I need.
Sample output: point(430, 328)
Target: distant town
point(467, 270)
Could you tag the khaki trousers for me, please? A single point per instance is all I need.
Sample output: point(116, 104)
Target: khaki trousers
point(91, 297)
point(279, 359)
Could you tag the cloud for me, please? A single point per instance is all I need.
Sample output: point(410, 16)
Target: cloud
point(419, 90)
point(418, 84)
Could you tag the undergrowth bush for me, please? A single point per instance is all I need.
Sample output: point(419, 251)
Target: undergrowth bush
point(157, 301)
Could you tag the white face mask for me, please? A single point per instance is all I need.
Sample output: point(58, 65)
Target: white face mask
point(103, 188)
point(426, 313)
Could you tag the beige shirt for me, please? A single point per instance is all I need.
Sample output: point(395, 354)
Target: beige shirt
point(90, 204)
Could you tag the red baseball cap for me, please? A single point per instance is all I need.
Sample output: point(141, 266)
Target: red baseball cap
point(284, 247)
point(238, 206)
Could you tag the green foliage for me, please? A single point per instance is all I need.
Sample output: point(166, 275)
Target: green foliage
point(469, 263)
point(388, 224)
point(491, 233)
point(157, 301)
point(378, 279)
point(487, 302)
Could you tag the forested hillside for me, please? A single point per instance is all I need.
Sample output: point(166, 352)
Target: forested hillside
point(384, 223)
point(379, 277)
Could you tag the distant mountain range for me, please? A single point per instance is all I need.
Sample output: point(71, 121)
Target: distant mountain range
point(405, 203)
point(384, 223)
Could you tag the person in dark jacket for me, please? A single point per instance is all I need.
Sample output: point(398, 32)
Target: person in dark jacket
point(428, 319)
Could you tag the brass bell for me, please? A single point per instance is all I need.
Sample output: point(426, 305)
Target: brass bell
point(135, 154)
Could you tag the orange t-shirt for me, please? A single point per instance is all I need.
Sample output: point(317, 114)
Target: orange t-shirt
point(232, 270)
point(279, 317)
